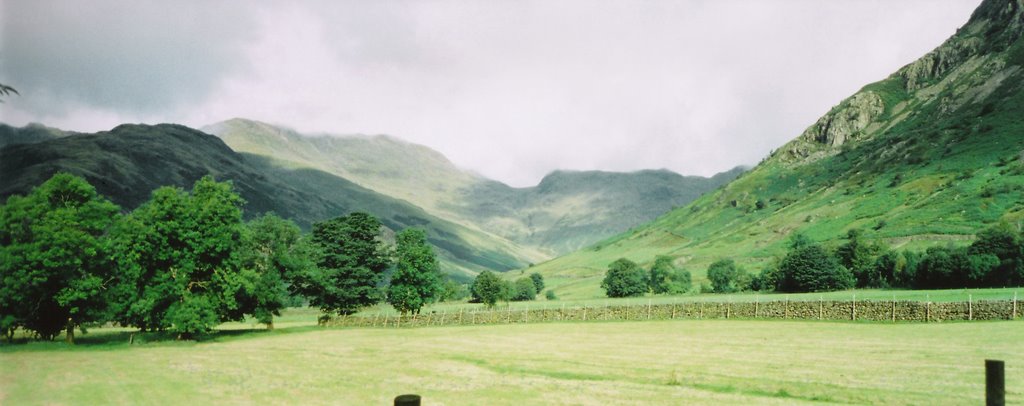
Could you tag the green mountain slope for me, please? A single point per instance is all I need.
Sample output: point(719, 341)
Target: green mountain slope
point(128, 162)
point(29, 134)
point(927, 156)
point(566, 211)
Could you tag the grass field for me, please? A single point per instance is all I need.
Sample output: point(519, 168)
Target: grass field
point(658, 362)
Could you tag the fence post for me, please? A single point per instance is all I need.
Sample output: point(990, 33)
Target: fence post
point(927, 311)
point(407, 400)
point(893, 308)
point(701, 316)
point(386, 320)
point(970, 307)
point(995, 383)
point(786, 311)
point(757, 300)
point(648, 309)
point(441, 322)
point(584, 312)
point(1014, 315)
point(821, 307)
point(854, 315)
point(509, 318)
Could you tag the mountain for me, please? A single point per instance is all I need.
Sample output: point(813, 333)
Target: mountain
point(929, 155)
point(128, 162)
point(566, 211)
point(29, 134)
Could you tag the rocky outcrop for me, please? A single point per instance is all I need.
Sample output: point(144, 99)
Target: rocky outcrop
point(846, 120)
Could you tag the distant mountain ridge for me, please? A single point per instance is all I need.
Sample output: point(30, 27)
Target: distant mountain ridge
point(129, 161)
point(567, 210)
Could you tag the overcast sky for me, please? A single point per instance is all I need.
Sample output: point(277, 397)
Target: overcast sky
point(509, 89)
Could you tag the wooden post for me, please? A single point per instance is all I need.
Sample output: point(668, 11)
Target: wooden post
point(893, 308)
point(407, 400)
point(701, 316)
point(443, 312)
point(757, 300)
point(786, 313)
point(970, 307)
point(584, 313)
point(821, 307)
point(854, 315)
point(648, 309)
point(1014, 315)
point(927, 311)
point(386, 320)
point(995, 383)
point(375, 319)
point(509, 319)
point(561, 314)
point(131, 338)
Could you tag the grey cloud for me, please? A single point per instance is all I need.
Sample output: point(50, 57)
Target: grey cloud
point(142, 57)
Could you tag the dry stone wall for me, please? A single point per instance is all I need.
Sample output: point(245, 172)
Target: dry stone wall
point(853, 310)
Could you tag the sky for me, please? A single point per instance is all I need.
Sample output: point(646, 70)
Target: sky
point(509, 89)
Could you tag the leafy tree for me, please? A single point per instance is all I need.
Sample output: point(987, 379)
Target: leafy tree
point(1005, 244)
point(54, 258)
point(550, 295)
point(6, 91)
point(273, 256)
point(664, 277)
point(726, 277)
point(538, 281)
point(810, 268)
point(452, 290)
point(416, 280)
point(350, 265)
point(487, 288)
point(523, 290)
point(799, 240)
point(181, 262)
point(624, 278)
point(859, 257)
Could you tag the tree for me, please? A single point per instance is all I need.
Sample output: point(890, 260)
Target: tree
point(452, 290)
point(487, 288)
point(7, 91)
point(859, 257)
point(624, 278)
point(810, 268)
point(664, 277)
point(538, 281)
point(180, 260)
point(273, 256)
point(350, 264)
point(524, 290)
point(726, 277)
point(54, 258)
point(1005, 244)
point(416, 280)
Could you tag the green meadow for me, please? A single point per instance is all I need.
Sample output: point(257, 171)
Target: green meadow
point(658, 362)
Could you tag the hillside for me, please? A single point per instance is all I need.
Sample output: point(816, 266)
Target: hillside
point(929, 155)
point(29, 134)
point(128, 162)
point(566, 211)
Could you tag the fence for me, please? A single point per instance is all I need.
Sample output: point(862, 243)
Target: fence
point(849, 310)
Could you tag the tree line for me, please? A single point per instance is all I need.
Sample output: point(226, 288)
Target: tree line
point(994, 259)
point(185, 261)
point(489, 289)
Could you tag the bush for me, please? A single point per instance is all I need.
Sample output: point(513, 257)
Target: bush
point(810, 268)
point(726, 277)
point(624, 278)
point(550, 295)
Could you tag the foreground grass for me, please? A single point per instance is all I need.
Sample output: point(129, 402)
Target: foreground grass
point(663, 362)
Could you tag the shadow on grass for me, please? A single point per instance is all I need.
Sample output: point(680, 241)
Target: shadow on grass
point(118, 339)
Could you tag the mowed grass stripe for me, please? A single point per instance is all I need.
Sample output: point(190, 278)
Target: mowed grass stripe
point(658, 362)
